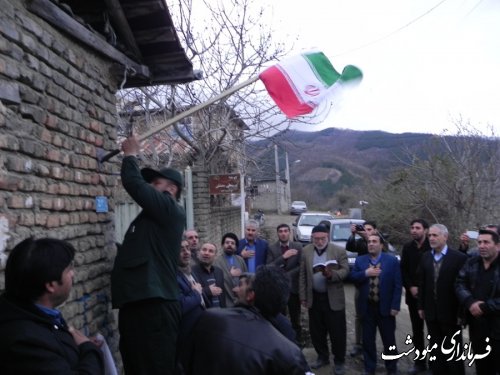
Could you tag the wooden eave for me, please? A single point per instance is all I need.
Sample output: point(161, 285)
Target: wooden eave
point(137, 34)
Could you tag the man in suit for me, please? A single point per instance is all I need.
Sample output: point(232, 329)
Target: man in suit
point(193, 239)
point(360, 246)
point(210, 277)
point(323, 294)
point(437, 302)
point(378, 277)
point(286, 255)
point(232, 266)
point(191, 300)
point(252, 248)
point(410, 259)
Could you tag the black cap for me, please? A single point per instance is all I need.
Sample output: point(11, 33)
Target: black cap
point(169, 173)
point(320, 228)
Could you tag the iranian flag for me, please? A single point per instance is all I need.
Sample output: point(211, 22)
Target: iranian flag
point(299, 84)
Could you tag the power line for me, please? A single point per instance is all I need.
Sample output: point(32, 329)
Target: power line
point(473, 8)
point(393, 32)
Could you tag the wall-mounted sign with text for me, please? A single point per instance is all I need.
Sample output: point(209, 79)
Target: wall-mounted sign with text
point(224, 184)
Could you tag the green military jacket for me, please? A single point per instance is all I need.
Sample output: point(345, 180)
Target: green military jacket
point(146, 264)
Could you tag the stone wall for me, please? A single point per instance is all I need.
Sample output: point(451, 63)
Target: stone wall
point(211, 222)
point(57, 106)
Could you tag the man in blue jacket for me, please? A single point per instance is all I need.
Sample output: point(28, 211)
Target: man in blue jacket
point(378, 277)
point(252, 248)
point(143, 281)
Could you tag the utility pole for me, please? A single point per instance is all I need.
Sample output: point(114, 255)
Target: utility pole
point(277, 169)
point(288, 194)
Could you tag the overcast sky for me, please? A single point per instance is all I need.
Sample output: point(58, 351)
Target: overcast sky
point(425, 62)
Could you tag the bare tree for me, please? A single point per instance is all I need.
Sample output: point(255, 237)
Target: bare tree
point(452, 180)
point(229, 42)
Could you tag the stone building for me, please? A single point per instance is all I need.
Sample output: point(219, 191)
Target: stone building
point(271, 196)
point(61, 64)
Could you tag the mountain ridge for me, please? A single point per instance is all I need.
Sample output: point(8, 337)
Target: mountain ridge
point(333, 160)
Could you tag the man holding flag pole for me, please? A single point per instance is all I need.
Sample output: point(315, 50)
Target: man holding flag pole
point(297, 86)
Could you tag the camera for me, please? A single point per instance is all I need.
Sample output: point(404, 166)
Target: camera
point(360, 228)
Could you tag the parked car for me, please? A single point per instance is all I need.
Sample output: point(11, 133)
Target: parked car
point(303, 225)
point(340, 231)
point(298, 207)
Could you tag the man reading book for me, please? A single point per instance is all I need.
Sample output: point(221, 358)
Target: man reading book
point(331, 264)
point(323, 294)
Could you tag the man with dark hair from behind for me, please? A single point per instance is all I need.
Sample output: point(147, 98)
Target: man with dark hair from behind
point(251, 344)
point(272, 301)
point(410, 259)
point(34, 338)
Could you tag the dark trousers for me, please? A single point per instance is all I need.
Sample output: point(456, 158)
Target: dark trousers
point(358, 322)
point(479, 330)
point(387, 328)
point(417, 327)
point(294, 313)
point(324, 321)
point(148, 336)
point(438, 332)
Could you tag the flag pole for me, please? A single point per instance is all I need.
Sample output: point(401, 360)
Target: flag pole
point(184, 114)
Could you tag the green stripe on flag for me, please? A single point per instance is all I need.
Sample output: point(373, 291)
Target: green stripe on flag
point(322, 68)
point(351, 72)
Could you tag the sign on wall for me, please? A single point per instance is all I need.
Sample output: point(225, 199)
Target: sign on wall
point(224, 184)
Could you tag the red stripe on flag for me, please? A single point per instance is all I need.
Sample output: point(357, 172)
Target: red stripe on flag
point(282, 93)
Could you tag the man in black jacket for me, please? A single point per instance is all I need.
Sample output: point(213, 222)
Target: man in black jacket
point(287, 254)
point(34, 338)
point(210, 277)
point(143, 281)
point(249, 341)
point(478, 290)
point(437, 302)
point(410, 259)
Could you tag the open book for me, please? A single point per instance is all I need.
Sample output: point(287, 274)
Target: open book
point(320, 267)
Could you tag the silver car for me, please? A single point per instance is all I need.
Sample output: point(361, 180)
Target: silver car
point(304, 224)
point(298, 207)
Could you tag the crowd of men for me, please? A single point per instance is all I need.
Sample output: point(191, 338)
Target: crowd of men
point(191, 307)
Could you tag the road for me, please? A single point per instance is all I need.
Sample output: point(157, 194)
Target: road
point(354, 366)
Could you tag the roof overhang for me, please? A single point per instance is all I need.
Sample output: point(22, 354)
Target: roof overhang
point(137, 34)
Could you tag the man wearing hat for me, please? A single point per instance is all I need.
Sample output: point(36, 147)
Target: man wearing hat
point(143, 280)
point(323, 268)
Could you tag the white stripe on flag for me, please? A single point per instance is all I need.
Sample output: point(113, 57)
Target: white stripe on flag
point(302, 77)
